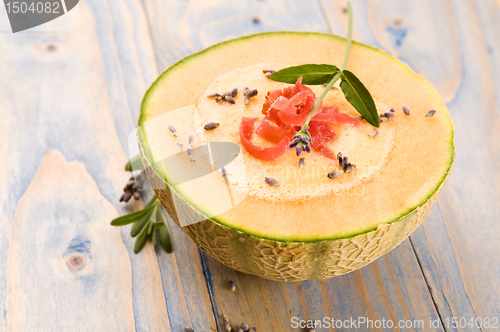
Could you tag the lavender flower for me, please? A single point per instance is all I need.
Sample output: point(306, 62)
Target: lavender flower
point(301, 141)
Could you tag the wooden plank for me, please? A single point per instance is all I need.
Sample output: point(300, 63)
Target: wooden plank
point(453, 45)
point(421, 34)
point(392, 288)
point(467, 281)
point(74, 85)
point(180, 28)
point(61, 247)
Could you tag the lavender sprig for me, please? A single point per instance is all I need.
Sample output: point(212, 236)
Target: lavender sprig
point(301, 140)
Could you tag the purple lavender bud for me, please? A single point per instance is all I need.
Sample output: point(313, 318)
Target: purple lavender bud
point(406, 110)
point(430, 113)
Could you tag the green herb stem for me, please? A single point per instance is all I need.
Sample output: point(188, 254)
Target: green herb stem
point(323, 94)
point(337, 76)
point(349, 36)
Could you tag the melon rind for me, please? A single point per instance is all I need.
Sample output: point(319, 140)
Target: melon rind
point(288, 261)
point(284, 260)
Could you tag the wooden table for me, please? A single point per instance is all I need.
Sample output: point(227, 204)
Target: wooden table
point(70, 92)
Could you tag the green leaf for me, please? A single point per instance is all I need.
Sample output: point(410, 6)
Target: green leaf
point(152, 201)
point(150, 226)
point(135, 164)
point(164, 235)
point(129, 218)
point(158, 224)
point(154, 237)
point(359, 97)
point(139, 225)
point(311, 74)
point(141, 240)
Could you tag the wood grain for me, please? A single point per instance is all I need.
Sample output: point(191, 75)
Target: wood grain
point(71, 91)
point(61, 247)
point(180, 28)
point(453, 45)
point(469, 204)
point(77, 90)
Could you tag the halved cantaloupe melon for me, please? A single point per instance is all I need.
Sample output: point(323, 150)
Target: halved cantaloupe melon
point(310, 226)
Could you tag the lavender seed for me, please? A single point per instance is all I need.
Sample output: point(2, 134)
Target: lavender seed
point(373, 133)
point(246, 101)
point(189, 151)
point(225, 94)
point(392, 110)
point(191, 139)
point(172, 130)
point(224, 318)
point(179, 147)
point(217, 100)
point(269, 73)
point(430, 113)
point(265, 71)
point(232, 285)
point(234, 92)
point(129, 184)
point(302, 161)
point(345, 162)
point(349, 167)
point(252, 93)
point(245, 91)
point(227, 326)
point(213, 95)
point(126, 197)
point(271, 181)
point(244, 327)
point(211, 126)
point(253, 329)
point(230, 99)
point(223, 172)
point(406, 110)
point(389, 115)
point(188, 329)
point(334, 174)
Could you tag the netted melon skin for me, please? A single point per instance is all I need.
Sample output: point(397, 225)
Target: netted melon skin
point(288, 261)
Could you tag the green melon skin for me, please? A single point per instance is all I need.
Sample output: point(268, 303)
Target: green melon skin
point(282, 260)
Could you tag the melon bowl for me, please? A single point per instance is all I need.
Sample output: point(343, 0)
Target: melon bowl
point(291, 235)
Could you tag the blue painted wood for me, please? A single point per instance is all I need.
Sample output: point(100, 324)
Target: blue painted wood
point(77, 89)
point(180, 28)
point(446, 270)
point(469, 205)
point(454, 46)
point(66, 268)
